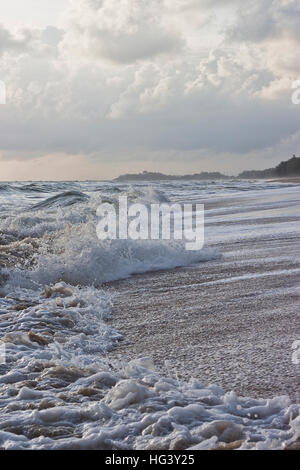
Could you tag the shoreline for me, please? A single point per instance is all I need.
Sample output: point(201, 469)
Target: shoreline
point(216, 326)
point(230, 322)
point(294, 179)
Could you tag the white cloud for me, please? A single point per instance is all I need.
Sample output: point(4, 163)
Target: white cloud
point(121, 31)
point(174, 79)
point(22, 40)
point(258, 21)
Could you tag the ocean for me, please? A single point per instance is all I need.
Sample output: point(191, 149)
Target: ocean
point(80, 367)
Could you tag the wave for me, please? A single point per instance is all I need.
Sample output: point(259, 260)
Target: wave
point(36, 186)
point(65, 199)
point(71, 207)
point(77, 256)
point(59, 390)
point(146, 195)
point(4, 187)
point(68, 248)
point(100, 262)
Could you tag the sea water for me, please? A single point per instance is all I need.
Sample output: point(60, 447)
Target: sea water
point(59, 388)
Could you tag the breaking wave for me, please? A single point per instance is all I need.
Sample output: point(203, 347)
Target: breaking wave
point(58, 389)
point(62, 200)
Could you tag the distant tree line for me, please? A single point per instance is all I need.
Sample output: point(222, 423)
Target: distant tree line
point(154, 176)
point(290, 167)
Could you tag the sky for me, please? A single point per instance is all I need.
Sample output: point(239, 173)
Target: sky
point(38, 13)
point(97, 88)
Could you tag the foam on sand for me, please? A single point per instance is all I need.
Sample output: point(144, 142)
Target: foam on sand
point(58, 390)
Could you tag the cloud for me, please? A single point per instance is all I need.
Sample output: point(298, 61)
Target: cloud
point(122, 31)
point(11, 43)
point(23, 40)
point(271, 30)
point(258, 21)
point(122, 81)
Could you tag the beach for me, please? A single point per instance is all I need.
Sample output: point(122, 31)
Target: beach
point(231, 322)
point(141, 344)
point(295, 179)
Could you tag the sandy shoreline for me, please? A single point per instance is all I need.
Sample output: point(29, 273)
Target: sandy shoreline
point(230, 322)
point(294, 179)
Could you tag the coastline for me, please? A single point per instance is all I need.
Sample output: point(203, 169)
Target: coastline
point(294, 179)
point(238, 338)
point(73, 349)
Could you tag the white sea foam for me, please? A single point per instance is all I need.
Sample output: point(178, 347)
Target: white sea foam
point(86, 261)
point(59, 395)
point(70, 250)
point(69, 208)
point(59, 391)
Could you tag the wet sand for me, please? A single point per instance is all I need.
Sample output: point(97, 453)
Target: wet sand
point(294, 179)
point(230, 322)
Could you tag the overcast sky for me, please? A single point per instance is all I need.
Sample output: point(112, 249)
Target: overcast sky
point(96, 88)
